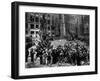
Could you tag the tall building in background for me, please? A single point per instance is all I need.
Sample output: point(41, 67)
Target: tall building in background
point(62, 26)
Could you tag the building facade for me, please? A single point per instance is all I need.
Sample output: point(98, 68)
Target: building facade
point(60, 26)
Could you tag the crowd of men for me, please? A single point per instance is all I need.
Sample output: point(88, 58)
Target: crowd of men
point(72, 53)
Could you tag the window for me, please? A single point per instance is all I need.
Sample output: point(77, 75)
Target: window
point(32, 26)
point(37, 32)
point(37, 19)
point(31, 18)
point(32, 32)
point(37, 26)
